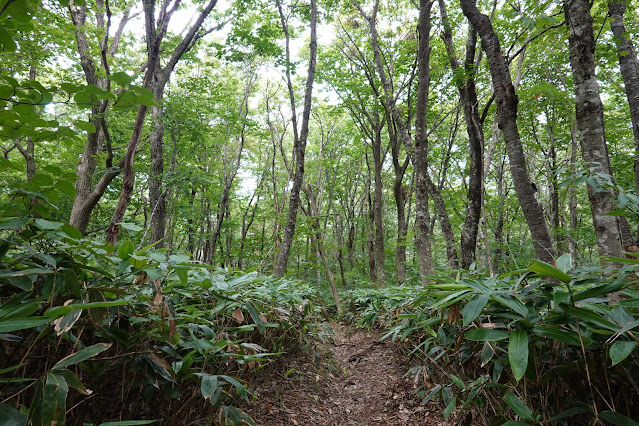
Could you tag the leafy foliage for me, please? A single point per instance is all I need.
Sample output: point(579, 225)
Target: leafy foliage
point(99, 312)
point(532, 342)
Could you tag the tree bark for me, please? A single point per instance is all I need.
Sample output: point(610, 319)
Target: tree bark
point(629, 65)
point(299, 143)
point(468, 95)
point(507, 101)
point(590, 123)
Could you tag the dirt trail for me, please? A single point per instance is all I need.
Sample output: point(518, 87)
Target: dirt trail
point(356, 380)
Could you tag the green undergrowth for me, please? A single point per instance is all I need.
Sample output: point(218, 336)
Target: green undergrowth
point(96, 334)
point(552, 344)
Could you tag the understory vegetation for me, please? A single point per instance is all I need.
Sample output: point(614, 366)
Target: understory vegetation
point(545, 345)
point(142, 334)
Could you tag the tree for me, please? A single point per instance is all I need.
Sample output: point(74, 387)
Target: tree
point(300, 135)
point(590, 123)
point(507, 101)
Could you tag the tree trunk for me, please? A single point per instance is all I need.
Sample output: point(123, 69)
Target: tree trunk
point(629, 65)
point(424, 253)
point(299, 144)
point(507, 101)
point(590, 123)
point(377, 206)
point(468, 95)
point(418, 151)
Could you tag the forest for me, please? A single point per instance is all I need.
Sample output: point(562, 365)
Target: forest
point(220, 212)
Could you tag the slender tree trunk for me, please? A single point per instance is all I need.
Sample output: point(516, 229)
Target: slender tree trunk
point(572, 194)
point(156, 198)
point(422, 215)
point(377, 206)
point(629, 65)
point(447, 229)
point(340, 250)
point(300, 141)
point(507, 101)
point(468, 95)
point(590, 123)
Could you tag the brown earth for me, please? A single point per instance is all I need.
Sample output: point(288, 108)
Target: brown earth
point(354, 380)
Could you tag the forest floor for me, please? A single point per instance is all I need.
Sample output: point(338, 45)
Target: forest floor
point(355, 379)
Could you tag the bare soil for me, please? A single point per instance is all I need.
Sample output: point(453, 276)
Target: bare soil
point(354, 380)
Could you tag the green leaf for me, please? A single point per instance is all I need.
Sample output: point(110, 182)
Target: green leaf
point(128, 423)
point(564, 263)
point(27, 273)
point(518, 406)
point(256, 317)
point(483, 334)
point(621, 349)
point(618, 419)
point(126, 249)
point(553, 332)
point(73, 283)
point(597, 291)
point(85, 125)
point(10, 416)
point(73, 381)
point(6, 41)
point(47, 224)
point(22, 323)
point(121, 78)
point(589, 316)
point(474, 307)
point(67, 188)
point(518, 353)
point(544, 269)
point(20, 311)
point(81, 355)
point(14, 223)
point(208, 385)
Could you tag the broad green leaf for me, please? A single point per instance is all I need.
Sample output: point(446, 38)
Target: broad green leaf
point(59, 311)
point(81, 355)
point(20, 311)
point(474, 307)
point(513, 304)
point(621, 349)
point(27, 273)
point(73, 381)
point(14, 223)
point(543, 268)
point(518, 353)
point(483, 334)
point(597, 291)
point(553, 332)
point(10, 416)
point(617, 418)
point(67, 188)
point(22, 323)
point(126, 249)
point(564, 263)
point(235, 416)
point(589, 316)
point(209, 383)
point(72, 282)
point(518, 406)
point(121, 78)
point(47, 224)
point(256, 317)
